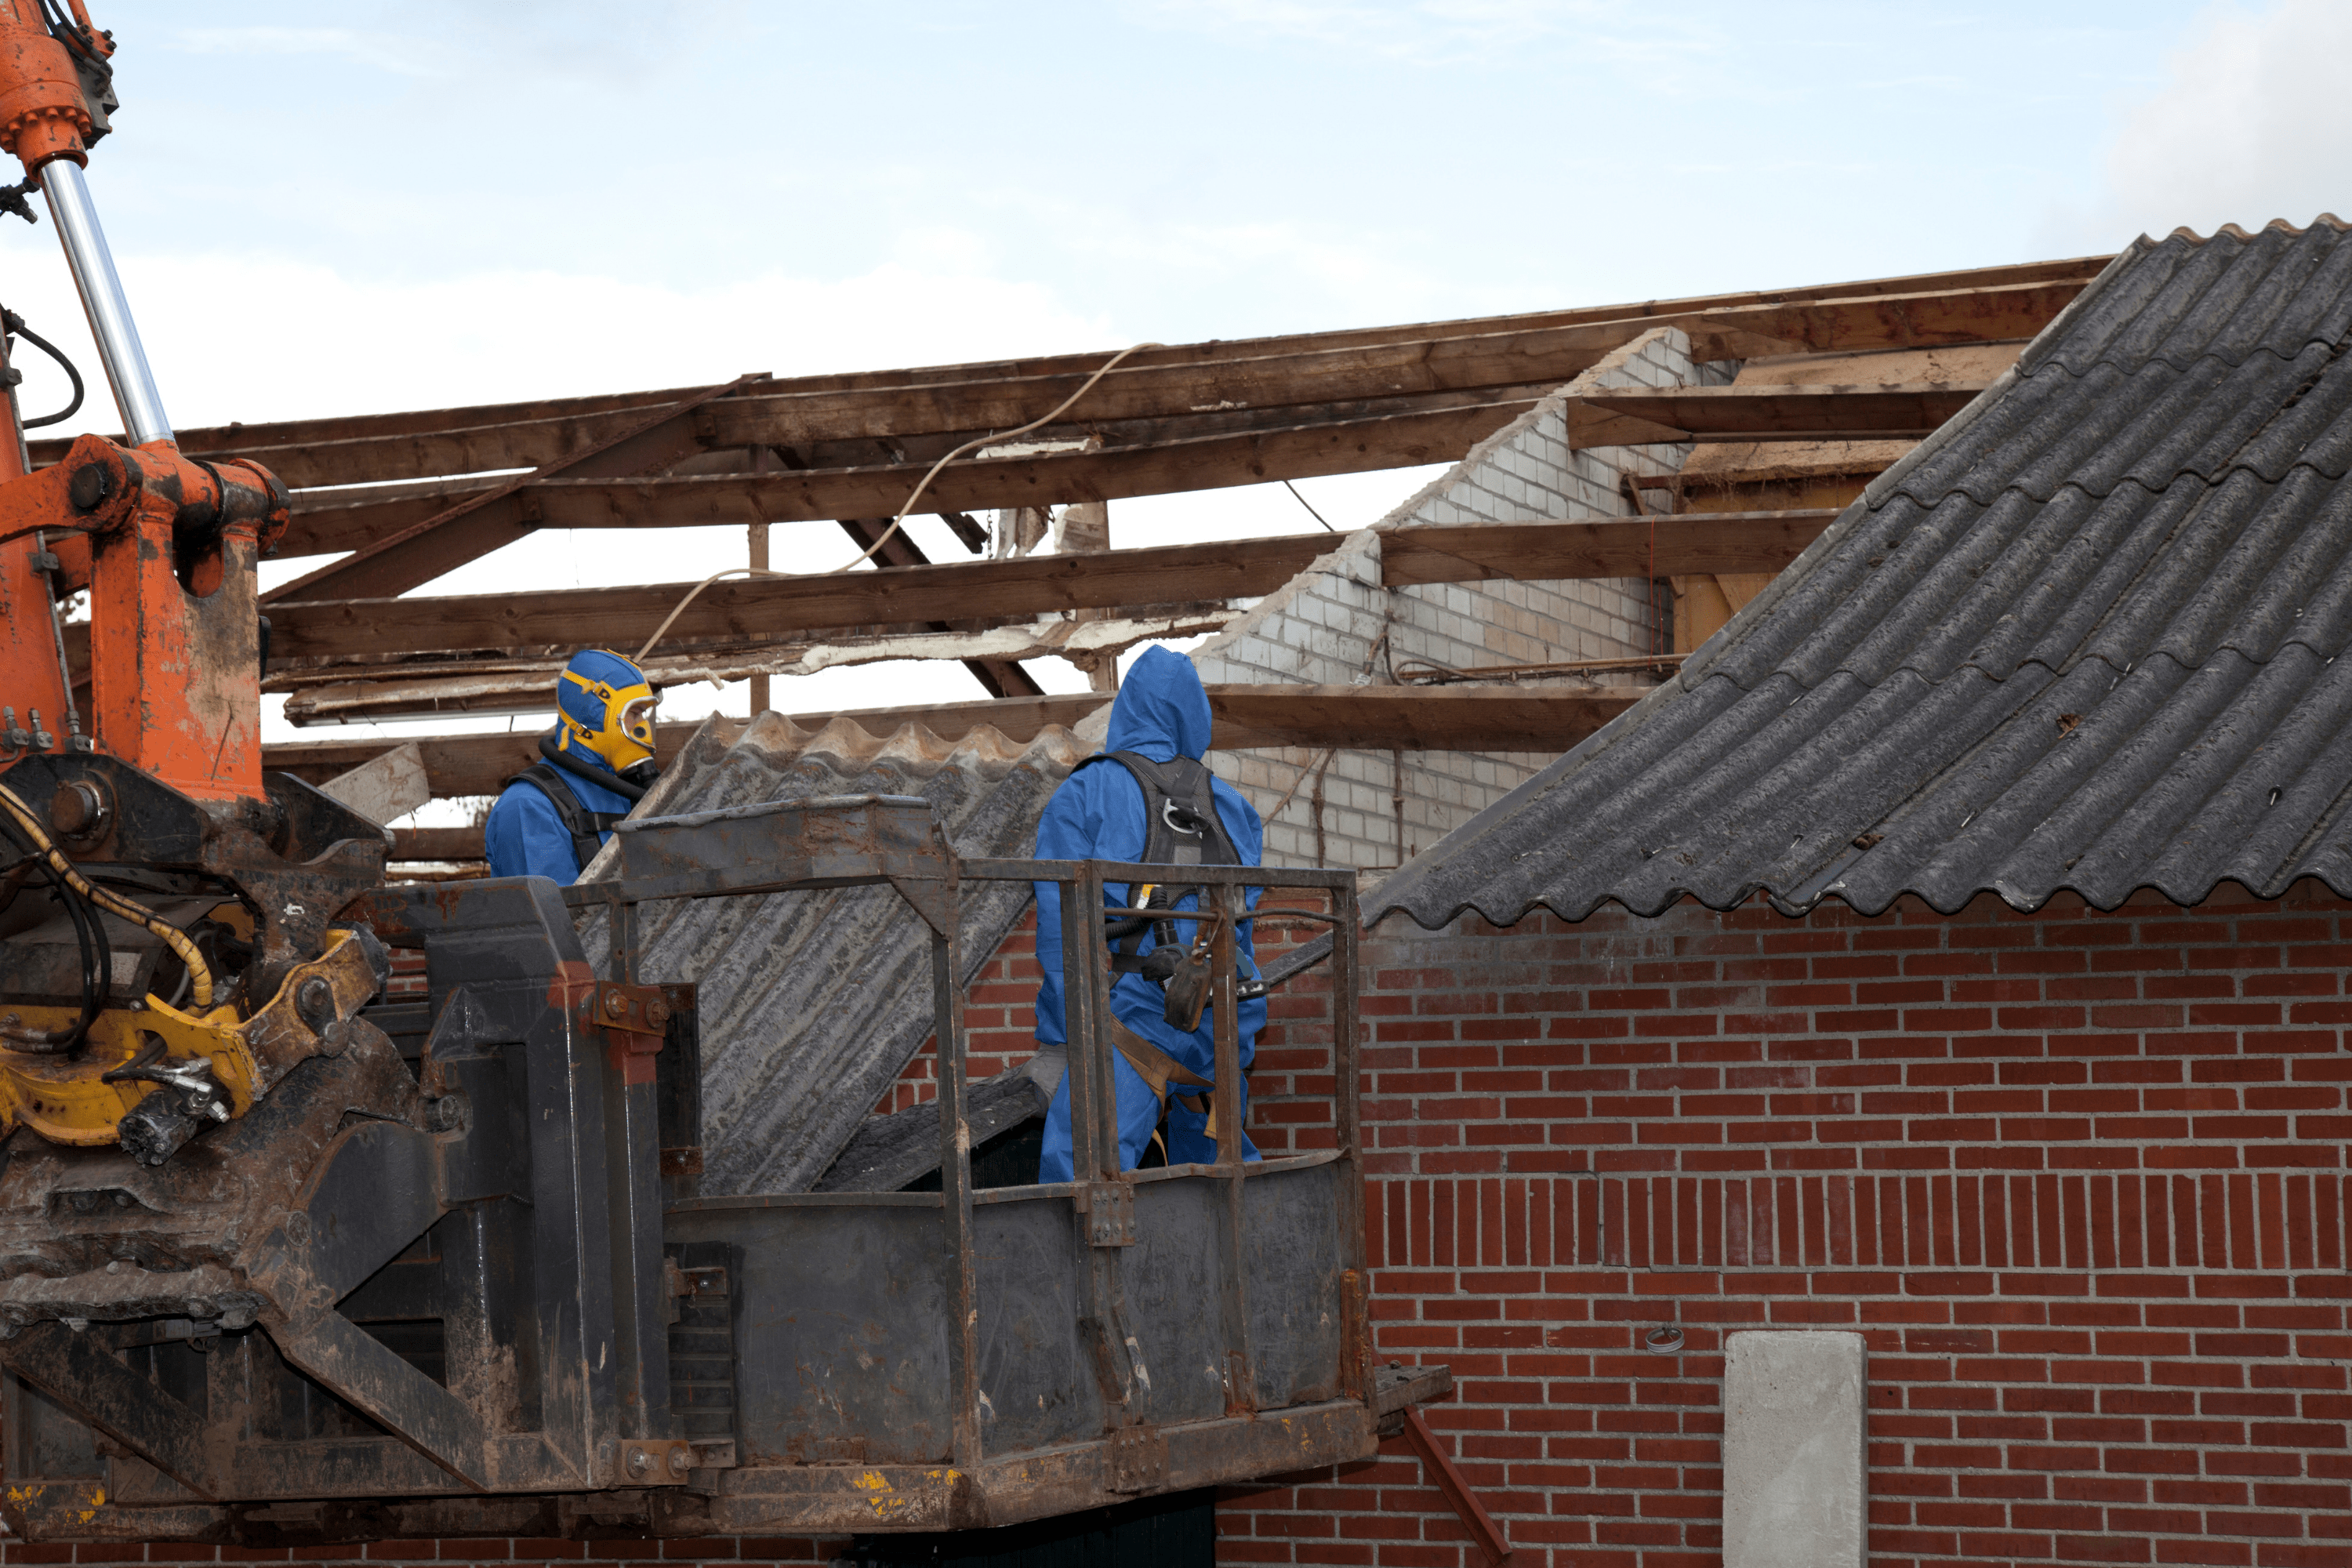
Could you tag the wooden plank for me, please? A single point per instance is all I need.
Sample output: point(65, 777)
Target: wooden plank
point(454, 764)
point(1412, 718)
point(1028, 585)
point(1653, 547)
point(473, 528)
point(437, 844)
point(769, 606)
point(1379, 717)
point(1046, 479)
point(1642, 416)
point(1298, 376)
point(215, 441)
point(1195, 399)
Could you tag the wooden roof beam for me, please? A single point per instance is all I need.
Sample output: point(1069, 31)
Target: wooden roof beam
point(473, 528)
point(1192, 399)
point(1641, 416)
point(1408, 718)
point(214, 440)
point(1031, 586)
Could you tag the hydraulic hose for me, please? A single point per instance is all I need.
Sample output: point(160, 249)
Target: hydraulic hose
point(200, 975)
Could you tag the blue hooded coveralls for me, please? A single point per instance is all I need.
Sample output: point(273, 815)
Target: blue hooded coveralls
point(1161, 713)
point(526, 839)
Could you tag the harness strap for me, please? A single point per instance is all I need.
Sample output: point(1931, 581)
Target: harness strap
point(1152, 1065)
point(586, 828)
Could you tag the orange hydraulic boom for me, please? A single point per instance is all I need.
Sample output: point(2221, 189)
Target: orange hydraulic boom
point(131, 784)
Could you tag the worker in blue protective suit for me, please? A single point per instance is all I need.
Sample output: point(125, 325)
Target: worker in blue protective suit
point(1160, 719)
point(553, 816)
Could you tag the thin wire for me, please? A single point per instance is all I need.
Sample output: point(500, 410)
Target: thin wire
point(1293, 790)
point(868, 554)
point(1310, 510)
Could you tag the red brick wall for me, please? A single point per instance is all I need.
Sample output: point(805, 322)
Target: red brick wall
point(2079, 1179)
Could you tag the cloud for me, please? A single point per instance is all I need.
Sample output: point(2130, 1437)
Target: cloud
point(394, 53)
point(2253, 124)
point(1441, 32)
point(311, 339)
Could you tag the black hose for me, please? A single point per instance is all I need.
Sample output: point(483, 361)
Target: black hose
point(97, 963)
point(16, 325)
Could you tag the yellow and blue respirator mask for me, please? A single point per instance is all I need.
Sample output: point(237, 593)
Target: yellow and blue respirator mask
point(607, 706)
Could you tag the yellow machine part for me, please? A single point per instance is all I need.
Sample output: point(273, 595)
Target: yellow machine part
point(64, 1098)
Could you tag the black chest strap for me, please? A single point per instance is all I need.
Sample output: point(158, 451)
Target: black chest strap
point(1181, 824)
point(586, 828)
point(1182, 827)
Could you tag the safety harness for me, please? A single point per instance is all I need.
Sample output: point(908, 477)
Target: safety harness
point(1182, 827)
point(586, 828)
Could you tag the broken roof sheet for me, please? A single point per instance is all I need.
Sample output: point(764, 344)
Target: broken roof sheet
point(811, 1003)
point(2085, 637)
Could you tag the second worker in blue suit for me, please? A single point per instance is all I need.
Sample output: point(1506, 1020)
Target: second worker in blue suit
point(1161, 718)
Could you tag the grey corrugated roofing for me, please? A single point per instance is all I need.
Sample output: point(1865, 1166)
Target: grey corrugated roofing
point(811, 1003)
point(2083, 638)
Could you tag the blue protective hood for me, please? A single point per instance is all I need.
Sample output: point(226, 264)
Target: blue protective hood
point(1162, 710)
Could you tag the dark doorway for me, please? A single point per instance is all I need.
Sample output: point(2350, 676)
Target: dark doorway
point(1179, 1530)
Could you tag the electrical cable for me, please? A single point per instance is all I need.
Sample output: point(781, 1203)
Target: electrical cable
point(988, 440)
point(16, 325)
point(179, 942)
point(1310, 510)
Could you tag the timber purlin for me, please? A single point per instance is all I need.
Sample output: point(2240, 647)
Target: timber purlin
point(1410, 718)
point(378, 630)
point(223, 440)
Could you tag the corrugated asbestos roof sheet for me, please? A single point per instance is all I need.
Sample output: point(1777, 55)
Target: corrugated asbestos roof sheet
point(2085, 637)
point(811, 1003)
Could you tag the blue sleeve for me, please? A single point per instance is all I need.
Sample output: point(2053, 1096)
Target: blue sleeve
point(1065, 832)
point(1097, 814)
point(526, 839)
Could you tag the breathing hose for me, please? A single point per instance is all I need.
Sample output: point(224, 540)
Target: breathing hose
point(200, 975)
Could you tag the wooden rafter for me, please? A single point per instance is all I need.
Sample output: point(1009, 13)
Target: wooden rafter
point(390, 562)
point(1145, 404)
point(1383, 718)
point(1030, 586)
point(277, 438)
point(1161, 467)
point(1639, 417)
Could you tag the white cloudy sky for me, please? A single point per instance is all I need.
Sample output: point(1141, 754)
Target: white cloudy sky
point(372, 206)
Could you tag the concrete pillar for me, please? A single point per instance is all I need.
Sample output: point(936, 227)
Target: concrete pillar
point(1795, 1492)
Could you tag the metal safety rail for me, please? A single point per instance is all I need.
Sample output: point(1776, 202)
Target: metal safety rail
point(967, 1357)
point(601, 1348)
